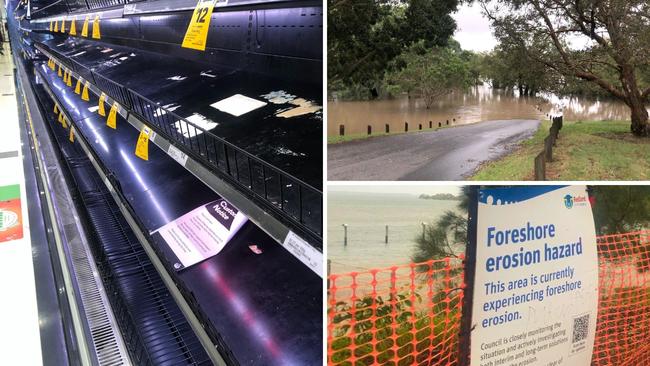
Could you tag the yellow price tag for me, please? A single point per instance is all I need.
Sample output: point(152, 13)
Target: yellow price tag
point(63, 26)
point(101, 110)
point(84, 28)
point(84, 93)
point(51, 26)
point(77, 88)
point(71, 134)
point(65, 125)
point(112, 116)
point(60, 72)
point(197, 32)
point(56, 25)
point(73, 27)
point(56, 108)
point(96, 32)
point(142, 147)
point(69, 83)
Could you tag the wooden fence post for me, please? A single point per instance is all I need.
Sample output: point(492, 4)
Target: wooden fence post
point(540, 167)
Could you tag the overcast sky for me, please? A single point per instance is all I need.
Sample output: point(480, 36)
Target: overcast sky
point(402, 187)
point(473, 29)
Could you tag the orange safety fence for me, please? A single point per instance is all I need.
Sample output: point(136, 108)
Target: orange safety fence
point(410, 314)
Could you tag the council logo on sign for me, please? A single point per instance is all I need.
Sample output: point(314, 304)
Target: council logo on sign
point(568, 201)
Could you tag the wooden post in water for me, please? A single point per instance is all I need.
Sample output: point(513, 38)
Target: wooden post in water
point(447, 122)
point(369, 129)
point(387, 128)
point(329, 269)
point(424, 225)
point(439, 124)
point(386, 236)
point(345, 235)
point(420, 126)
point(430, 124)
point(341, 130)
point(406, 127)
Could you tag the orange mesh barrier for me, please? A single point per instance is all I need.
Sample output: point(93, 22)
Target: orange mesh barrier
point(410, 314)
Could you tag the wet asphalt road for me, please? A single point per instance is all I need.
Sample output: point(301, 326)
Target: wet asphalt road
point(447, 154)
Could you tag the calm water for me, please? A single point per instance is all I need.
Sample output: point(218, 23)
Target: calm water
point(366, 215)
point(478, 104)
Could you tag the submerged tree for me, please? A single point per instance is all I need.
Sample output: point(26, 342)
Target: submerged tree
point(433, 73)
point(586, 39)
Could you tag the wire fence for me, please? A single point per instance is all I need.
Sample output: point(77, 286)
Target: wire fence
point(410, 314)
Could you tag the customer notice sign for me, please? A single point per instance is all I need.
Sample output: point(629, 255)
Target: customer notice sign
point(535, 291)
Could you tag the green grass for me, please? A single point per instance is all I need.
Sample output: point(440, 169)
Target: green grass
point(594, 150)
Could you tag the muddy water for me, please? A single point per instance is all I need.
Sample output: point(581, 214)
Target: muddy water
point(478, 104)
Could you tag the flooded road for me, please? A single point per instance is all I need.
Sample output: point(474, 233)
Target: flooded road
point(480, 103)
point(446, 154)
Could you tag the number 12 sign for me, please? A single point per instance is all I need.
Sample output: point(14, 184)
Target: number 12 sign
point(197, 31)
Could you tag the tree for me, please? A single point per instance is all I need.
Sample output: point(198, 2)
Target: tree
point(365, 36)
point(586, 39)
point(435, 244)
point(621, 209)
point(511, 68)
point(433, 73)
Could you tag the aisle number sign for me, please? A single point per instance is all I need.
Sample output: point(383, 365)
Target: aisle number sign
point(197, 32)
point(142, 147)
point(535, 292)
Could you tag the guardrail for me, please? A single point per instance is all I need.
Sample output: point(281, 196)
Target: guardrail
point(292, 198)
point(431, 125)
point(410, 314)
point(546, 156)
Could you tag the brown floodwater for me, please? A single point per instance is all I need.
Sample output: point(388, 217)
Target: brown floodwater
point(480, 103)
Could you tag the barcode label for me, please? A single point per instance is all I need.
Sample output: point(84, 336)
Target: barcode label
point(580, 328)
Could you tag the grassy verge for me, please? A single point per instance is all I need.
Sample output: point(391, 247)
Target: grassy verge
point(594, 150)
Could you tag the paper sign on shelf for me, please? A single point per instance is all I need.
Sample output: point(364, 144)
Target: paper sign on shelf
point(51, 26)
point(56, 25)
point(111, 121)
point(202, 232)
point(535, 292)
point(196, 34)
point(71, 137)
point(60, 73)
point(64, 123)
point(63, 26)
point(142, 146)
point(84, 28)
point(60, 117)
point(56, 108)
point(77, 88)
point(102, 110)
